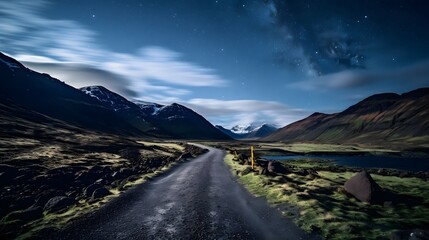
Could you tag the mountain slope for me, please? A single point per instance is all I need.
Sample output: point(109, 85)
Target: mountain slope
point(171, 121)
point(46, 95)
point(179, 121)
point(379, 119)
point(248, 131)
point(97, 108)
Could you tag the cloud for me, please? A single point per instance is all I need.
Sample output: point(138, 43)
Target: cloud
point(232, 112)
point(416, 74)
point(70, 52)
point(79, 75)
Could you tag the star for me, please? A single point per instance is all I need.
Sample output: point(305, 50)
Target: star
point(93, 15)
point(366, 16)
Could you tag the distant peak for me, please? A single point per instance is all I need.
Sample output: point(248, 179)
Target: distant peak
point(316, 114)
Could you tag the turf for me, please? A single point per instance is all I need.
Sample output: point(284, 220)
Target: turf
point(320, 204)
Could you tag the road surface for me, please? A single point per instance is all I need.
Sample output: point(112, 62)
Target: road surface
point(199, 199)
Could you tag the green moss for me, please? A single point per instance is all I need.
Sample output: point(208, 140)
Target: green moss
point(327, 211)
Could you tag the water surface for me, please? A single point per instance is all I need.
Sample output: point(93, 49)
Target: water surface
point(401, 163)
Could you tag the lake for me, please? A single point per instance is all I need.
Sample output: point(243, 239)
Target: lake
point(402, 163)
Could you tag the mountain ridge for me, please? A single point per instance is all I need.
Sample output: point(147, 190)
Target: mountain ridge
point(96, 108)
point(251, 131)
point(379, 119)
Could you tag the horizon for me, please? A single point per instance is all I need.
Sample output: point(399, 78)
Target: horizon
point(301, 61)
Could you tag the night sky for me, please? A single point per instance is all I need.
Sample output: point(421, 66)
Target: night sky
point(232, 61)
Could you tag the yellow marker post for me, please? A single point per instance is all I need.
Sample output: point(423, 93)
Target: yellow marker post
point(252, 157)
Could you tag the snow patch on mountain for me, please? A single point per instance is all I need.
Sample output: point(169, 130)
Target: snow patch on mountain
point(245, 128)
point(116, 102)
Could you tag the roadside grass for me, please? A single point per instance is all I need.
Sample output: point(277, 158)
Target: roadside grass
point(162, 145)
point(83, 207)
point(320, 205)
point(61, 156)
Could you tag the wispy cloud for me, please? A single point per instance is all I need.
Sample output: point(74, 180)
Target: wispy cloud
point(70, 51)
point(415, 74)
point(232, 112)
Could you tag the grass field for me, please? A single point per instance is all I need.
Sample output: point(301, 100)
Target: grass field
point(319, 204)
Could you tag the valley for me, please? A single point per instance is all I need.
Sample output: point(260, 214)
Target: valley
point(312, 192)
point(88, 163)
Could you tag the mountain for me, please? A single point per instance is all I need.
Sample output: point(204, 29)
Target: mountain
point(50, 97)
point(379, 119)
point(179, 121)
point(170, 121)
point(251, 131)
point(96, 108)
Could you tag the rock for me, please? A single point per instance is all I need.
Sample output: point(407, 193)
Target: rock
point(276, 167)
point(246, 171)
point(364, 188)
point(59, 203)
point(263, 171)
point(312, 172)
point(100, 193)
point(22, 202)
point(91, 188)
point(60, 181)
point(84, 177)
point(44, 197)
point(242, 156)
point(125, 172)
point(185, 156)
point(416, 234)
point(27, 215)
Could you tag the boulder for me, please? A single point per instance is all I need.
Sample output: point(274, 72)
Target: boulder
point(100, 192)
point(364, 188)
point(91, 188)
point(276, 167)
point(263, 171)
point(242, 158)
point(416, 234)
point(44, 197)
point(29, 214)
point(246, 171)
point(59, 203)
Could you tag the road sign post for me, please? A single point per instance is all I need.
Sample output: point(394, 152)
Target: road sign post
point(252, 157)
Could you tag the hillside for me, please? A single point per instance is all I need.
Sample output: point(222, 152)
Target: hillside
point(380, 119)
point(48, 96)
point(97, 108)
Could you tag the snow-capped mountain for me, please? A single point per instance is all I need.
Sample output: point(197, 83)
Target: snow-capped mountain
point(173, 120)
point(248, 131)
point(149, 108)
point(245, 128)
point(109, 99)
